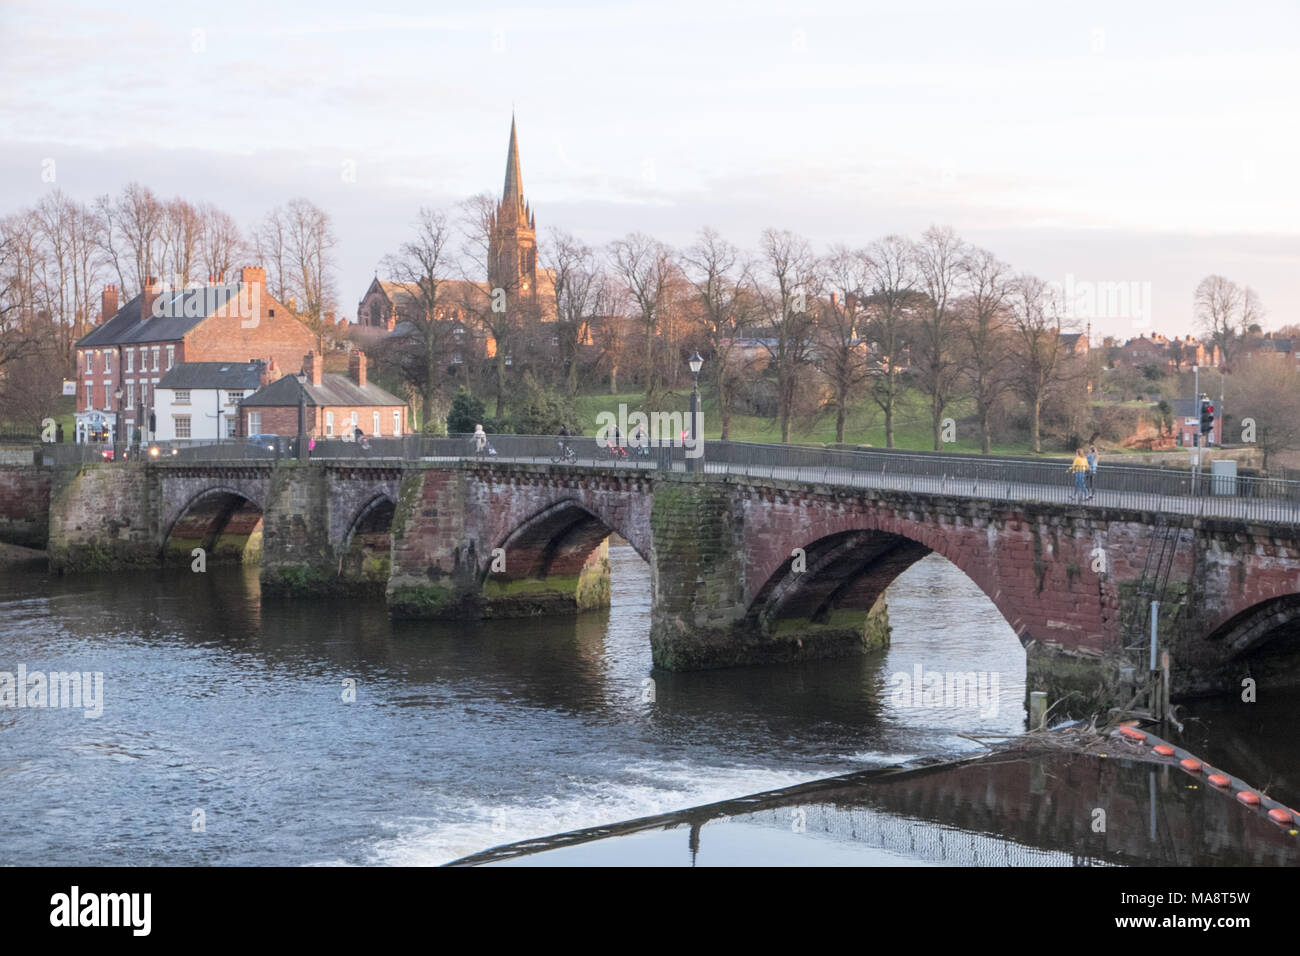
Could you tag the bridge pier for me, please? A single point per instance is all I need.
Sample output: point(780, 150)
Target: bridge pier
point(100, 518)
point(297, 555)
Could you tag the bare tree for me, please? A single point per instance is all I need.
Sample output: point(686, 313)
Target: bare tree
point(580, 289)
point(940, 263)
point(1038, 349)
point(891, 270)
point(985, 322)
point(1264, 392)
point(501, 312)
point(426, 335)
point(842, 350)
point(789, 285)
point(1225, 311)
point(645, 266)
point(180, 235)
point(220, 243)
point(297, 243)
point(722, 284)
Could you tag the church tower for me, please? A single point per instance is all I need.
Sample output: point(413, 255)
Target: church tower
point(512, 249)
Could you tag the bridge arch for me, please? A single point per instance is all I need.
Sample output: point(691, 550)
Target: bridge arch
point(225, 521)
point(556, 559)
point(365, 553)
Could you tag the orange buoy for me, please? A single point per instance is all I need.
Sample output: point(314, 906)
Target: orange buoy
point(1248, 797)
point(1163, 750)
point(1278, 815)
point(1190, 765)
point(1131, 734)
point(1218, 779)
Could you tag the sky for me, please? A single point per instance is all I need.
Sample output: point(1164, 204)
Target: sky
point(1123, 151)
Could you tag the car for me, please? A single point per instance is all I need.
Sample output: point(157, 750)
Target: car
point(271, 443)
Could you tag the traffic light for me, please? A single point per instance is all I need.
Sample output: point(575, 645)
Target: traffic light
point(1207, 417)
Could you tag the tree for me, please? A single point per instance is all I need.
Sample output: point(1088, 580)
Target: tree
point(644, 266)
point(580, 289)
point(1038, 349)
point(891, 270)
point(220, 242)
point(842, 352)
point(425, 336)
point(1225, 311)
point(940, 258)
point(789, 271)
point(721, 280)
point(1264, 391)
point(466, 412)
point(502, 312)
point(297, 242)
point(984, 314)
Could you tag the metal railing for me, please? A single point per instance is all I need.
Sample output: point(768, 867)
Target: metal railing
point(1161, 490)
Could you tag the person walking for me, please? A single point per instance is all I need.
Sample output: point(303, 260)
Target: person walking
point(480, 439)
point(1092, 470)
point(1079, 468)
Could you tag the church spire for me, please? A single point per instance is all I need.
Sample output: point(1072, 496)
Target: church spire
point(512, 197)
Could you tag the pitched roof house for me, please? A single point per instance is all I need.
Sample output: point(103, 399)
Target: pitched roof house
point(333, 406)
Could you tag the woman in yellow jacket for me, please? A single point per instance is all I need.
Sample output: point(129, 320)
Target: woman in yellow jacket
point(1079, 468)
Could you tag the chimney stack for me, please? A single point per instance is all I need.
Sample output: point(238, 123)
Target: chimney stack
point(108, 305)
point(357, 367)
point(252, 275)
point(312, 367)
point(149, 296)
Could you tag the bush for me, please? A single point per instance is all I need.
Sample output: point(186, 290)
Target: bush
point(466, 412)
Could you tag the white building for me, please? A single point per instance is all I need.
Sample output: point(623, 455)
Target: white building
point(200, 400)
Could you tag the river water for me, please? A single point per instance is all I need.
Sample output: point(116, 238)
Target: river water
point(226, 737)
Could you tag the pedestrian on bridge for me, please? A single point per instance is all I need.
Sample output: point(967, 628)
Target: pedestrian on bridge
point(1079, 468)
point(1092, 470)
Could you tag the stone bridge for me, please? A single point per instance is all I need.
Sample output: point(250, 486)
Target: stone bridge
point(745, 568)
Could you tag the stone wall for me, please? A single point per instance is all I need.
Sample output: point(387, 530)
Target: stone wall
point(25, 505)
point(101, 518)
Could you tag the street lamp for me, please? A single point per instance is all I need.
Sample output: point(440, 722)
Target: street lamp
point(117, 428)
point(696, 363)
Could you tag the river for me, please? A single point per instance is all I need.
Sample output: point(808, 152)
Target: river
point(226, 737)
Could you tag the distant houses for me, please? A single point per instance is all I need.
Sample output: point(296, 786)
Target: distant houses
point(121, 362)
point(332, 406)
point(200, 400)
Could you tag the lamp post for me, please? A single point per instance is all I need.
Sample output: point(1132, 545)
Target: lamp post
point(117, 427)
point(696, 363)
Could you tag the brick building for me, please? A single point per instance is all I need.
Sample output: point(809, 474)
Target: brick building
point(140, 342)
point(333, 406)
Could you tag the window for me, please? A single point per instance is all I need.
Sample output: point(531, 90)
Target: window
point(232, 427)
point(108, 363)
point(144, 395)
point(171, 356)
point(397, 421)
point(329, 423)
point(375, 426)
point(130, 395)
point(130, 360)
point(182, 426)
point(254, 423)
point(90, 396)
point(354, 421)
point(182, 396)
point(234, 398)
point(155, 358)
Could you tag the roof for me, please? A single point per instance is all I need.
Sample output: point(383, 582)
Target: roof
point(333, 390)
point(200, 375)
point(178, 308)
